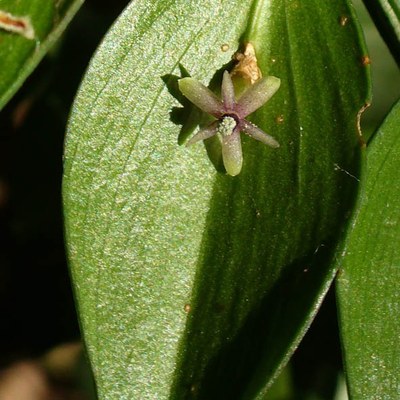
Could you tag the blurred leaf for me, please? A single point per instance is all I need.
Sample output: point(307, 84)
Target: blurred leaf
point(20, 55)
point(386, 15)
point(153, 230)
point(369, 278)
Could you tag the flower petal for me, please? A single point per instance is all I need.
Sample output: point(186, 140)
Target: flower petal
point(257, 95)
point(232, 153)
point(201, 96)
point(258, 134)
point(228, 92)
point(204, 133)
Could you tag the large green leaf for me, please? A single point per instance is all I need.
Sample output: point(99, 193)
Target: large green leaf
point(19, 55)
point(153, 230)
point(369, 279)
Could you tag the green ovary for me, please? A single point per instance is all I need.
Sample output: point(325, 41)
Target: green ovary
point(226, 126)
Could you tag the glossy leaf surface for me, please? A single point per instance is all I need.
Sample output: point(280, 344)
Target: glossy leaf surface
point(20, 55)
point(369, 279)
point(186, 278)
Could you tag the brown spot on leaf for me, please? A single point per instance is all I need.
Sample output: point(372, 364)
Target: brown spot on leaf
point(365, 60)
point(19, 25)
point(359, 114)
point(225, 47)
point(343, 20)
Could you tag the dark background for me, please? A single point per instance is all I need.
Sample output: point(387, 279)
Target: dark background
point(36, 303)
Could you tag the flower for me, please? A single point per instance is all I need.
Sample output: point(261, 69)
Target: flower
point(230, 113)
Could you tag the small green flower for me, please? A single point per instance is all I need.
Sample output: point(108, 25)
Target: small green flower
point(230, 113)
